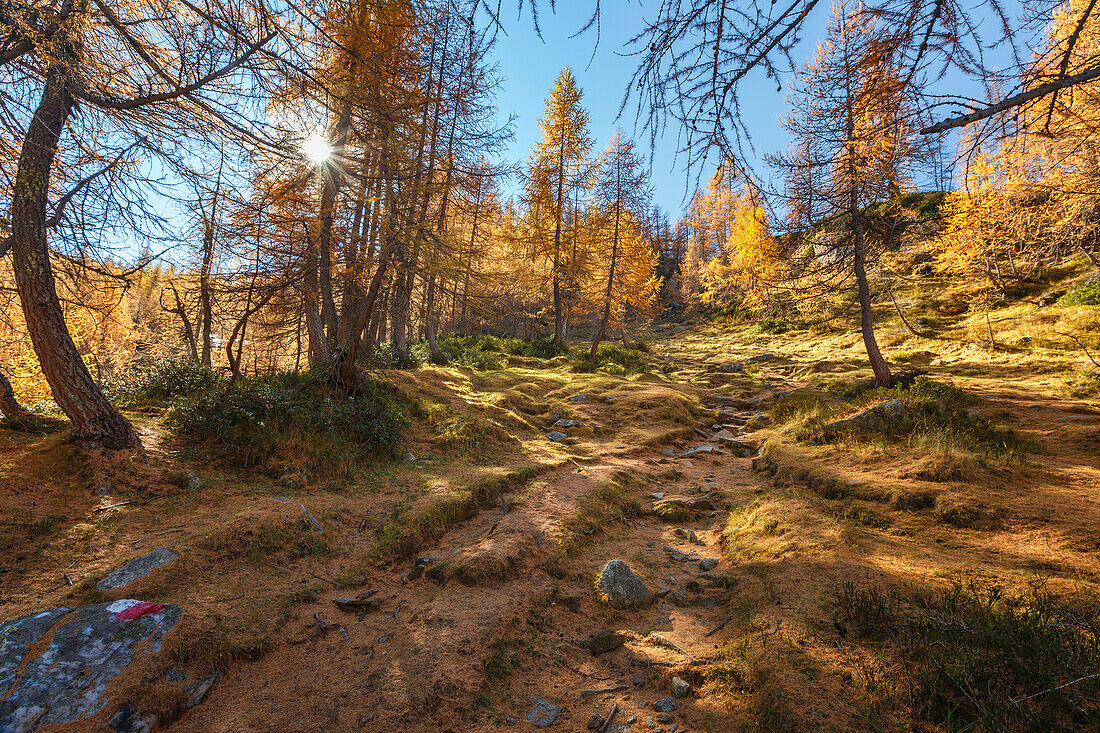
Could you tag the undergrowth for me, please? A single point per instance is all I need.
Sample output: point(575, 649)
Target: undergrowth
point(155, 383)
point(978, 658)
point(292, 418)
point(612, 359)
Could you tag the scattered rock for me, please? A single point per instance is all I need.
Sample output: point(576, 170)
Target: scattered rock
point(566, 423)
point(557, 436)
point(676, 504)
point(708, 563)
point(696, 450)
point(658, 495)
point(639, 680)
point(680, 689)
point(542, 713)
point(136, 569)
point(665, 718)
point(675, 555)
point(69, 678)
point(665, 705)
point(729, 367)
point(669, 452)
point(766, 356)
point(743, 448)
point(408, 457)
point(663, 641)
point(605, 641)
point(663, 589)
point(595, 721)
point(579, 398)
point(623, 588)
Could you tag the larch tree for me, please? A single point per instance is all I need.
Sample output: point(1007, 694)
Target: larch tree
point(622, 195)
point(558, 168)
point(840, 125)
point(139, 74)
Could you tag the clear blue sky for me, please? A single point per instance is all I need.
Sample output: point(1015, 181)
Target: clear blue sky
point(529, 67)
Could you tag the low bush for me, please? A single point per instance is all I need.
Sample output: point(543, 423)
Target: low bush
point(978, 658)
point(610, 358)
point(293, 417)
point(1088, 293)
point(775, 326)
point(486, 352)
point(155, 383)
point(931, 408)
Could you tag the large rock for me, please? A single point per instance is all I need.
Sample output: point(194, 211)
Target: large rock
point(623, 588)
point(68, 678)
point(136, 569)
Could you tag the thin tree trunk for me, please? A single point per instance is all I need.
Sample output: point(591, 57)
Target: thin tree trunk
point(97, 424)
point(437, 356)
point(9, 406)
point(881, 370)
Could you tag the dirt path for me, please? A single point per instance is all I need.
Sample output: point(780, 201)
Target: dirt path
point(433, 651)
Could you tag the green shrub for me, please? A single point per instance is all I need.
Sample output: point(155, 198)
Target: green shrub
point(155, 383)
point(610, 358)
point(774, 326)
point(978, 658)
point(1088, 293)
point(931, 408)
point(293, 416)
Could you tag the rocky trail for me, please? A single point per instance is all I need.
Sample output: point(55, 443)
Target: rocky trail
point(423, 652)
point(608, 590)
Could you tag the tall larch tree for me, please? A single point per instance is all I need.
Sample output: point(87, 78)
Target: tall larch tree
point(559, 167)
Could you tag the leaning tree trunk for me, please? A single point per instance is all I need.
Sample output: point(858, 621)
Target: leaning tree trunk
point(9, 406)
point(98, 425)
point(883, 378)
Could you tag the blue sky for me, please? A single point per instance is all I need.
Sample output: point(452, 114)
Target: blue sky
point(530, 65)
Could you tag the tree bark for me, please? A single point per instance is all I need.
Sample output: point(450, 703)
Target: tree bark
point(97, 424)
point(9, 406)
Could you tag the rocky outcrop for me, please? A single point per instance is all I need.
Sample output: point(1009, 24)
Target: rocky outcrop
point(56, 666)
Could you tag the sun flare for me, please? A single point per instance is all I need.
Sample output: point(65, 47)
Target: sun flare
point(317, 148)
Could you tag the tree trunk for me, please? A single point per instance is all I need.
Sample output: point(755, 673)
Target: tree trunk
point(437, 356)
point(602, 330)
point(9, 406)
point(883, 378)
point(97, 424)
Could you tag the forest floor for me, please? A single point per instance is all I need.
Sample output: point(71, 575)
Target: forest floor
point(482, 558)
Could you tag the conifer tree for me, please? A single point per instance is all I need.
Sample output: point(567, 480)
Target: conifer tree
point(558, 169)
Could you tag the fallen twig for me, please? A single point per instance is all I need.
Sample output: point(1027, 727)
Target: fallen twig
point(560, 663)
point(606, 725)
point(333, 583)
point(720, 626)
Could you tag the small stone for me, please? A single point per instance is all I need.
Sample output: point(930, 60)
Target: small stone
point(708, 563)
point(665, 705)
point(566, 423)
point(675, 555)
point(510, 721)
point(665, 718)
point(542, 713)
point(658, 494)
point(605, 641)
point(408, 458)
point(680, 689)
point(669, 452)
point(639, 680)
point(579, 398)
point(594, 722)
point(557, 436)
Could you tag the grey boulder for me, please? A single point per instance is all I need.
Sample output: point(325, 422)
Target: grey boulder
point(623, 588)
